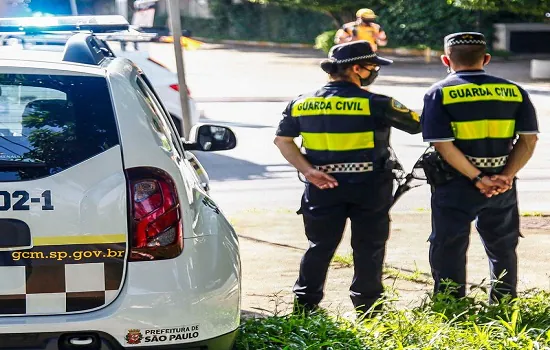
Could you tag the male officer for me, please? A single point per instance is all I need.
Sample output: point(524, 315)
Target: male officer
point(473, 119)
point(346, 136)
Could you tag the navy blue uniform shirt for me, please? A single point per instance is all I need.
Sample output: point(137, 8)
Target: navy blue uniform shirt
point(342, 123)
point(481, 114)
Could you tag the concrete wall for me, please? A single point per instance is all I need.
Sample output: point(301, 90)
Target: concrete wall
point(195, 8)
point(189, 8)
point(503, 30)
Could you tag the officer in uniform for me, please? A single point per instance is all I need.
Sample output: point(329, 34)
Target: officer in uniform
point(484, 129)
point(346, 137)
point(364, 28)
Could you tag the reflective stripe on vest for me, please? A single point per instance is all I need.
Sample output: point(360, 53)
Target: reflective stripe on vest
point(483, 92)
point(482, 129)
point(338, 141)
point(312, 106)
point(488, 162)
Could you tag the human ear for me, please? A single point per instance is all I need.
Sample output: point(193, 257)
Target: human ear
point(486, 59)
point(445, 60)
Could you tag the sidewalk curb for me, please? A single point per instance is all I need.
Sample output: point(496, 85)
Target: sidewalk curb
point(425, 56)
point(399, 51)
point(536, 90)
point(256, 43)
point(243, 99)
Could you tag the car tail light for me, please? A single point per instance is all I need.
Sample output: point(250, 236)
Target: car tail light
point(176, 87)
point(155, 217)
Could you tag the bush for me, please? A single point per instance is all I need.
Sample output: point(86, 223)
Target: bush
point(408, 23)
point(325, 41)
point(251, 21)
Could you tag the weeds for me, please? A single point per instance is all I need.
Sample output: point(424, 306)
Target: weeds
point(343, 261)
point(440, 322)
point(533, 214)
point(416, 276)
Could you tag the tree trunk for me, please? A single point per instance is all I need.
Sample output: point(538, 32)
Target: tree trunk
point(336, 18)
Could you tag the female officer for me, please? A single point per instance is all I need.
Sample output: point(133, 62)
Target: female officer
point(346, 137)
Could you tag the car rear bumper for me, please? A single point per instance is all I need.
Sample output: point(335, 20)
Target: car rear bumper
point(191, 298)
point(223, 342)
point(101, 341)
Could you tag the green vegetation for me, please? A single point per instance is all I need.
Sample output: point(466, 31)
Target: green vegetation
point(440, 322)
point(343, 261)
point(408, 23)
point(417, 276)
point(532, 214)
point(251, 21)
point(325, 41)
point(535, 7)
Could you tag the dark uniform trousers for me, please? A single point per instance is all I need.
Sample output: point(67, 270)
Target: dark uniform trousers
point(325, 213)
point(454, 206)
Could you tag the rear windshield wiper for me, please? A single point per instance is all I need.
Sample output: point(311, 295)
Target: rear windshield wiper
point(20, 164)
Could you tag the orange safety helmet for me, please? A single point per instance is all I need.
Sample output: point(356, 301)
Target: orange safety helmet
point(365, 13)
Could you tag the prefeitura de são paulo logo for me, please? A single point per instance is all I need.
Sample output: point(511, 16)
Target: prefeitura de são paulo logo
point(134, 336)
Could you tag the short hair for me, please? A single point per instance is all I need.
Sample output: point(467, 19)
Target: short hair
point(466, 55)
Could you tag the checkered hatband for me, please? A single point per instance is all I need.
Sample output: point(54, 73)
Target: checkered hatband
point(346, 167)
point(488, 162)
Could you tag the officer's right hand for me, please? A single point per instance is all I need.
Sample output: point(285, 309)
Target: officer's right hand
point(320, 179)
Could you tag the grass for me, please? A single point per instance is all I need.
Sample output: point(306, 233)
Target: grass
point(417, 276)
point(343, 261)
point(532, 214)
point(439, 322)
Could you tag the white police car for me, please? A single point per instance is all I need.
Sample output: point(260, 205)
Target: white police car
point(107, 238)
point(162, 79)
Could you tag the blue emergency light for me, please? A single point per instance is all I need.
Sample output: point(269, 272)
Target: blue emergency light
point(95, 24)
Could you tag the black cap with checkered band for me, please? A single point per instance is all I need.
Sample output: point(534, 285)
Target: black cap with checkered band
point(356, 51)
point(464, 38)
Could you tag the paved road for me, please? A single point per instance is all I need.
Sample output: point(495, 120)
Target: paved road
point(255, 175)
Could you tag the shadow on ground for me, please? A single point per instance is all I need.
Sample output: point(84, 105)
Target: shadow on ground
point(246, 314)
point(225, 168)
point(206, 119)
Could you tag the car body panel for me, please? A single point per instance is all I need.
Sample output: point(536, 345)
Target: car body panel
point(162, 78)
point(71, 215)
point(195, 295)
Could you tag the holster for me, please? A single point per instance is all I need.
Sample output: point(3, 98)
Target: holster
point(437, 170)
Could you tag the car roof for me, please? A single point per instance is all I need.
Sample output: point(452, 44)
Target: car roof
point(45, 59)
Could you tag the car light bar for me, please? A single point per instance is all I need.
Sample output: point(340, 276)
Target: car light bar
point(144, 4)
point(96, 24)
point(131, 35)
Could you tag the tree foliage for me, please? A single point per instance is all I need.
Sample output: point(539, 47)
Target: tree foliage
point(534, 7)
point(339, 10)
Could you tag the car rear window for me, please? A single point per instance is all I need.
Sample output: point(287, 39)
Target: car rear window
point(49, 123)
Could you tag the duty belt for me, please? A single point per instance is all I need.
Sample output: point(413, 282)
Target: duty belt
point(346, 167)
point(488, 162)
